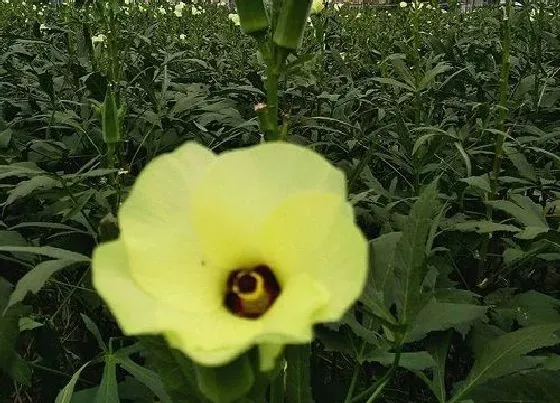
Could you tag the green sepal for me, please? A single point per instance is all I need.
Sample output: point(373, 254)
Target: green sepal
point(227, 383)
point(291, 23)
point(253, 17)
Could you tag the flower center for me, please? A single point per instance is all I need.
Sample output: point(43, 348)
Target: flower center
point(251, 292)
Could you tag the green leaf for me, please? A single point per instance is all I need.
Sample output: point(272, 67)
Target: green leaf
point(25, 188)
point(394, 83)
point(378, 290)
point(534, 308)
point(36, 278)
point(483, 227)
point(504, 355)
point(520, 162)
point(530, 387)
point(298, 379)
point(19, 169)
point(414, 361)
point(145, 376)
point(438, 345)
point(10, 361)
point(522, 211)
point(465, 156)
point(227, 383)
point(481, 182)
point(47, 225)
point(431, 75)
point(49, 251)
point(65, 395)
point(174, 368)
point(436, 316)
point(410, 267)
point(93, 329)
point(108, 391)
point(27, 323)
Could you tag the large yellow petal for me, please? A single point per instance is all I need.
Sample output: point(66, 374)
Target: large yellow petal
point(164, 253)
point(314, 234)
point(211, 339)
point(243, 187)
point(136, 311)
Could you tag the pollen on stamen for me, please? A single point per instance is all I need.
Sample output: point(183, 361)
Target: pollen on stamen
point(251, 292)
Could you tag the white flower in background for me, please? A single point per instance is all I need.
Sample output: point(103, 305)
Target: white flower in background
point(403, 4)
point(182, 37)
point(141, 8)
point(532, 15)
point(196, 11)
point(98, 38)
point(162, 10)
point(234, 18)
point(179, 9)
point(429, 7)
point(127, 2)
point(317, 6)
point(359, 15)
point(43, 27)
point(337, 6)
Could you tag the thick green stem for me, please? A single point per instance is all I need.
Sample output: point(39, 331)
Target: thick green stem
point(500, 137)
point(275, 65)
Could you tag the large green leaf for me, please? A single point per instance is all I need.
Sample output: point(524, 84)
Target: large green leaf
point(532, 308)
point(436, 316)
point(505, 355)
point(523, 210)
point(519, 160)
point(36, 278)
point(438, 345)
point(530, 387)
point(108, 391)
point(377, 294)
point(25, 188)
point(174, 368)
point(49, 251)
point(410, 267)
point(149, 378)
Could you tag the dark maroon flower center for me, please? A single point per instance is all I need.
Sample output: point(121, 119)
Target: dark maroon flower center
point(251, 292)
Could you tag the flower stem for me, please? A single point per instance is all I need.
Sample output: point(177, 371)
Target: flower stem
point(275, 65)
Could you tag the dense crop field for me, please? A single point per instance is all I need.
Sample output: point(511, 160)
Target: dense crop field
point(446, 124)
